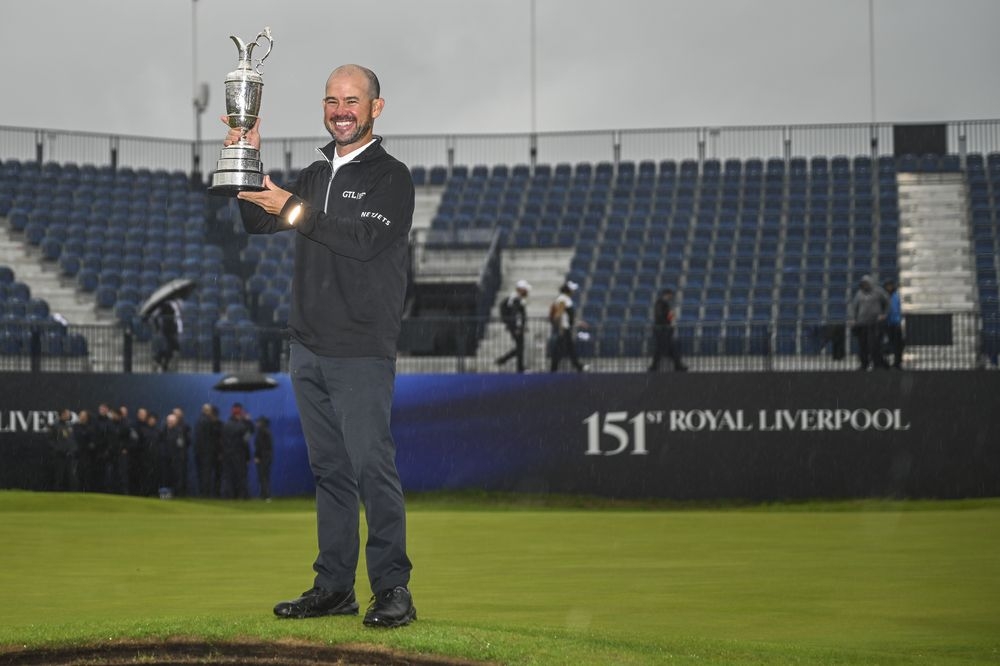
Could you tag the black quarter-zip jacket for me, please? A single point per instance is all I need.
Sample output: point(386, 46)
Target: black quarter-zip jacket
point(351, 252)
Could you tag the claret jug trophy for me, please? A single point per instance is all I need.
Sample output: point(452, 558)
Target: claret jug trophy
point(239, 167)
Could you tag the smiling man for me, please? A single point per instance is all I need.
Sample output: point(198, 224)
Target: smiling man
point(351, 212)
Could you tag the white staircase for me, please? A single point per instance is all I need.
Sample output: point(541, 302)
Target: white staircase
point(936, 272)
point(44, 280)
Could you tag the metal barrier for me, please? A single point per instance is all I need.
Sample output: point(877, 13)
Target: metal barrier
point(471, 345)
point(697, 143)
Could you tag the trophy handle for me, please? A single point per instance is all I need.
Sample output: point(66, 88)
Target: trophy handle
point(270, 43)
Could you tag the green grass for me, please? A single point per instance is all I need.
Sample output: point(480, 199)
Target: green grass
point(528, 580)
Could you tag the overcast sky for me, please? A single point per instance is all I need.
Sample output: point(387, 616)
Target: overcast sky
point(464, 66)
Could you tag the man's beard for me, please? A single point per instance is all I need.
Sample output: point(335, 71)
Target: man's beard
point(359, 131)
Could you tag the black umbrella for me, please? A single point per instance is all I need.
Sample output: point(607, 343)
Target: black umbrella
point(246, 381)
point(179, 288)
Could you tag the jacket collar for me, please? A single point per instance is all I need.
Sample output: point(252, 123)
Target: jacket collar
point(330, 149)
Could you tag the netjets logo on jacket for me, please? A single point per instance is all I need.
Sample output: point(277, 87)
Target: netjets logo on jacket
point(378, 216)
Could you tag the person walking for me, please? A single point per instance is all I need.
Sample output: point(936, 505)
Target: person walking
point(562, 317)
point(664, 342)
point(514, 314)
point(866, 313)
point(351, 213)
point(894, 324)
point(169, 324)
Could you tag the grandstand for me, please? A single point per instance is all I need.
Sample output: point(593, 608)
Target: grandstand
point(763, 252)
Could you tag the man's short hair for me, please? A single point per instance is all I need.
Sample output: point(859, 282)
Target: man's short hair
point(374, 89)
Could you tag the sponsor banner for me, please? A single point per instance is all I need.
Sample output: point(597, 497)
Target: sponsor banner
point(755, 436)
point(704, 436)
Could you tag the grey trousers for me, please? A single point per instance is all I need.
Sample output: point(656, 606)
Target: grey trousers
point(344, 405)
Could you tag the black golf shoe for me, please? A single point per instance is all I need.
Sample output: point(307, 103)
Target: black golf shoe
point(318, 602)
point(391, 608)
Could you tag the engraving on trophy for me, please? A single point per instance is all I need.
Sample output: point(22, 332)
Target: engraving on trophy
point(239, 167)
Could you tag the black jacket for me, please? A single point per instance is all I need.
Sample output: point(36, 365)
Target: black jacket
point(351, 252)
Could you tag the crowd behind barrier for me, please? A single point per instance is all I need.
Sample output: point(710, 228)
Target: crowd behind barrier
point(148, 453)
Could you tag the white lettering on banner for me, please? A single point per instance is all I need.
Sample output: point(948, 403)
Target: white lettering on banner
point(696, 420)
point(808, 420)
point(616, 432)
point(27, 421)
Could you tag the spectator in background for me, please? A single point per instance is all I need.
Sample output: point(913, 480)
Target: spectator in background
point(208, 450)
point(236, 452)
point(514, 314)
point(263, 454)
point(62, 445)
point(168, 323)
point(189, 440)
point(664, 343)
point(149, 432)
point(86, 446)
point(894, 324)
point(173, 457)
point(137, 459)
point(119, 452)
point(562, 317)
point(102, 472)
point(866, 313)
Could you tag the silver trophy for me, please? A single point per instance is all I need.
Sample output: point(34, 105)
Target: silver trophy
point(239, 167)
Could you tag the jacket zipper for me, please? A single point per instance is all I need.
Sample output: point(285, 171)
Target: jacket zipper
point(326, 200)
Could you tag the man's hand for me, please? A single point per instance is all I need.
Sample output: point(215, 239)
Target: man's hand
point(253, 135)
point(272, 198)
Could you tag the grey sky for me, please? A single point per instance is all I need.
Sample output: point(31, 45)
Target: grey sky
point(463, 66)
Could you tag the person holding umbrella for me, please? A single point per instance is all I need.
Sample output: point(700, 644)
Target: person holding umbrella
point(351, 213)
point(164, 307)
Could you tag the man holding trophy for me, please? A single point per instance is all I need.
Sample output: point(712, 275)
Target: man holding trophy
point(351, 211)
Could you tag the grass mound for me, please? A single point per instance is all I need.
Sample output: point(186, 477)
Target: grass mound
point(245, 653)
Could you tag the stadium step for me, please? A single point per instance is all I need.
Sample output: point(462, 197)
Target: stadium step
point(43, 279)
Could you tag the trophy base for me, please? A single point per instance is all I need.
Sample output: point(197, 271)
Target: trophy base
point(230, 187)
point(239, 169)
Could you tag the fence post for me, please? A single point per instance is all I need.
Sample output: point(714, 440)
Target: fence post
point(533, 151)
point(216, 352)
point(36, 349)
point(127, 349)
point(962, 145)
point(114, 153)
point(769, 346)
point(39, 147)
point(288, 156)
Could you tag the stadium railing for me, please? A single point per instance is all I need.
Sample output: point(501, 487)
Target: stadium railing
point(471, 345)
point(696, 143)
